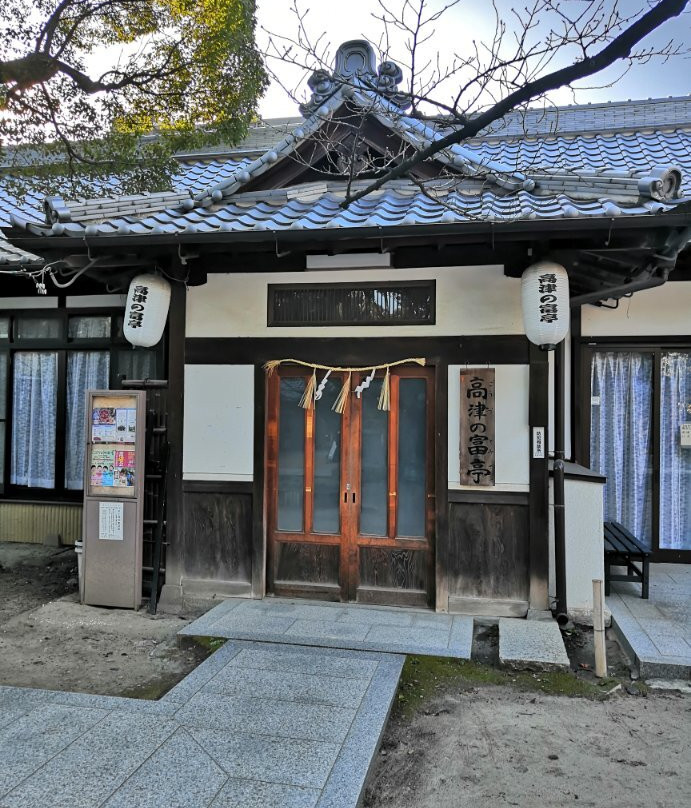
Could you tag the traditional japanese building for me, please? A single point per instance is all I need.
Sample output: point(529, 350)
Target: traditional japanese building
point(353, 408)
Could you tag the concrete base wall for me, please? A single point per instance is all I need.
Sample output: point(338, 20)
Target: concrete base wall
point(584, 546)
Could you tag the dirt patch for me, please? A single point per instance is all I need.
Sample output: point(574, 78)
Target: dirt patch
point(49, 640)
point(31, 575)
point(468, 734)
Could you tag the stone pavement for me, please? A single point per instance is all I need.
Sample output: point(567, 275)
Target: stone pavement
point(270, 726)
point(657, 631)
point(337, 625)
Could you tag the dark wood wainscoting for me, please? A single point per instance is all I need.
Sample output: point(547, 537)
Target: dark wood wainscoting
point(216, 545)
point(488, 553)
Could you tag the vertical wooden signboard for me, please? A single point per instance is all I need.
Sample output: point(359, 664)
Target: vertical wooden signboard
point(477, 426)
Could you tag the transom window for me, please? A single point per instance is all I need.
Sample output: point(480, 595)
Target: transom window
point(48, 360)
point(376, 303)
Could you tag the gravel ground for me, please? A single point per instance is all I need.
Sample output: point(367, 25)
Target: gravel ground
point(468, 734)
point(48, 640)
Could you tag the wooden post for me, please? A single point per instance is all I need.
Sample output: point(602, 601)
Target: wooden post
point(599, 630)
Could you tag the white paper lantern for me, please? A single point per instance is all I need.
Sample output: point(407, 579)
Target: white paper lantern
point(146, 310)
point(545, 299)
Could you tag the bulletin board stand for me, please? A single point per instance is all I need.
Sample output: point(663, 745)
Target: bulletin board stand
point(114, 498)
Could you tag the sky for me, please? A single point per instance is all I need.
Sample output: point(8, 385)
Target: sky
point(352, 19)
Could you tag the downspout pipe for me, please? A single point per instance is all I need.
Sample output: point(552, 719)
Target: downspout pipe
point(560, 606)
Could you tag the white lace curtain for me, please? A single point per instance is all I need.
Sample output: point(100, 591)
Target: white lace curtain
point(675, 460)
point(34, 398)
point(86, 370)
point(34, 410)
point(621, 436)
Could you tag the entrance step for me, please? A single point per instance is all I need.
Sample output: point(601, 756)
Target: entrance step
point(337, 625)
point(533, 644)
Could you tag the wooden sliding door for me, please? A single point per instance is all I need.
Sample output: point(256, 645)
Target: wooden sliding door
point(350, 496)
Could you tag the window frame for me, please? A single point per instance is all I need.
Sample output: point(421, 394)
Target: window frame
point(273, 288)
point(62, 346)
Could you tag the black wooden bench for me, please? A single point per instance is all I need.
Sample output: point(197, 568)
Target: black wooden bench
point(622, 549)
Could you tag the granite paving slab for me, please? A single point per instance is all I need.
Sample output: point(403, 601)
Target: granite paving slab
point(180, 774)
point(342, 666)
point(34, 738)
point(292, 761)
point(91, 768)
point(264, 684)
point(256, 724)
point(656, 632)
point(337, 625)
point(531, 644)
point(287, 719)
point(256, 794)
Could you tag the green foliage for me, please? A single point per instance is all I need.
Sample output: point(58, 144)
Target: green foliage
point(95, 88)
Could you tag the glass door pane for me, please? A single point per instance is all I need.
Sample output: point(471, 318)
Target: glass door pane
point(412, 456)
point(327, 460)
point(291, 456)
point(621, 442)
point(374, 475)
point(675, 451)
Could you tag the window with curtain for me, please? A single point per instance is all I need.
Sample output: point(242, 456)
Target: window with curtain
point(621, 436)
point(675, 458)
point(49, 358)
point(4, 364)
point(86, 370)
point(34, 407)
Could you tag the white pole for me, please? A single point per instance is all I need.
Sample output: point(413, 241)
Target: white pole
point(599, 630)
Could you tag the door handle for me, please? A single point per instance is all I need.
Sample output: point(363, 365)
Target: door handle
point(353, 496)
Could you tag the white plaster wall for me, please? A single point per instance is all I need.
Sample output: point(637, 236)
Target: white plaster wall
point(512, 435)
point(469, 300)
point(665, 310)
point(219, 422)
point(584, 545)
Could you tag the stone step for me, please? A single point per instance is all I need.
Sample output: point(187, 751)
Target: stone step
point(532, 644)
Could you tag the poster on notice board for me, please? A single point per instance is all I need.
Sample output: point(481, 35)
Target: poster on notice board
point(112, 467)
point(113, 425)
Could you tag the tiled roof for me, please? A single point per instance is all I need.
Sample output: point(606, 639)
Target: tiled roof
point(627, 151)
point(617, 116)
point(401, 204)
point(15, 256)
point(621, 160)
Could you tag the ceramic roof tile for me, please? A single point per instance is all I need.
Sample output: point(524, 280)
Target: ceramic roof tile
point(388, 208)
point(591, 150)
point(14, 256)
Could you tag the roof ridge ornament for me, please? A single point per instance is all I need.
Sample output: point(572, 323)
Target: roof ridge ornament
point(356, 65)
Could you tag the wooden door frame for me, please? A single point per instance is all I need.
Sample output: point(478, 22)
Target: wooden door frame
point(402, 597)
point(349, 572)
point(326, 591)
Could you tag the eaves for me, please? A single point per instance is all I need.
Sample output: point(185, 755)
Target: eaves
point(521, 229)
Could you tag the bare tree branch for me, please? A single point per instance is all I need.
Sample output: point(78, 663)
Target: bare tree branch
point(619, 48)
